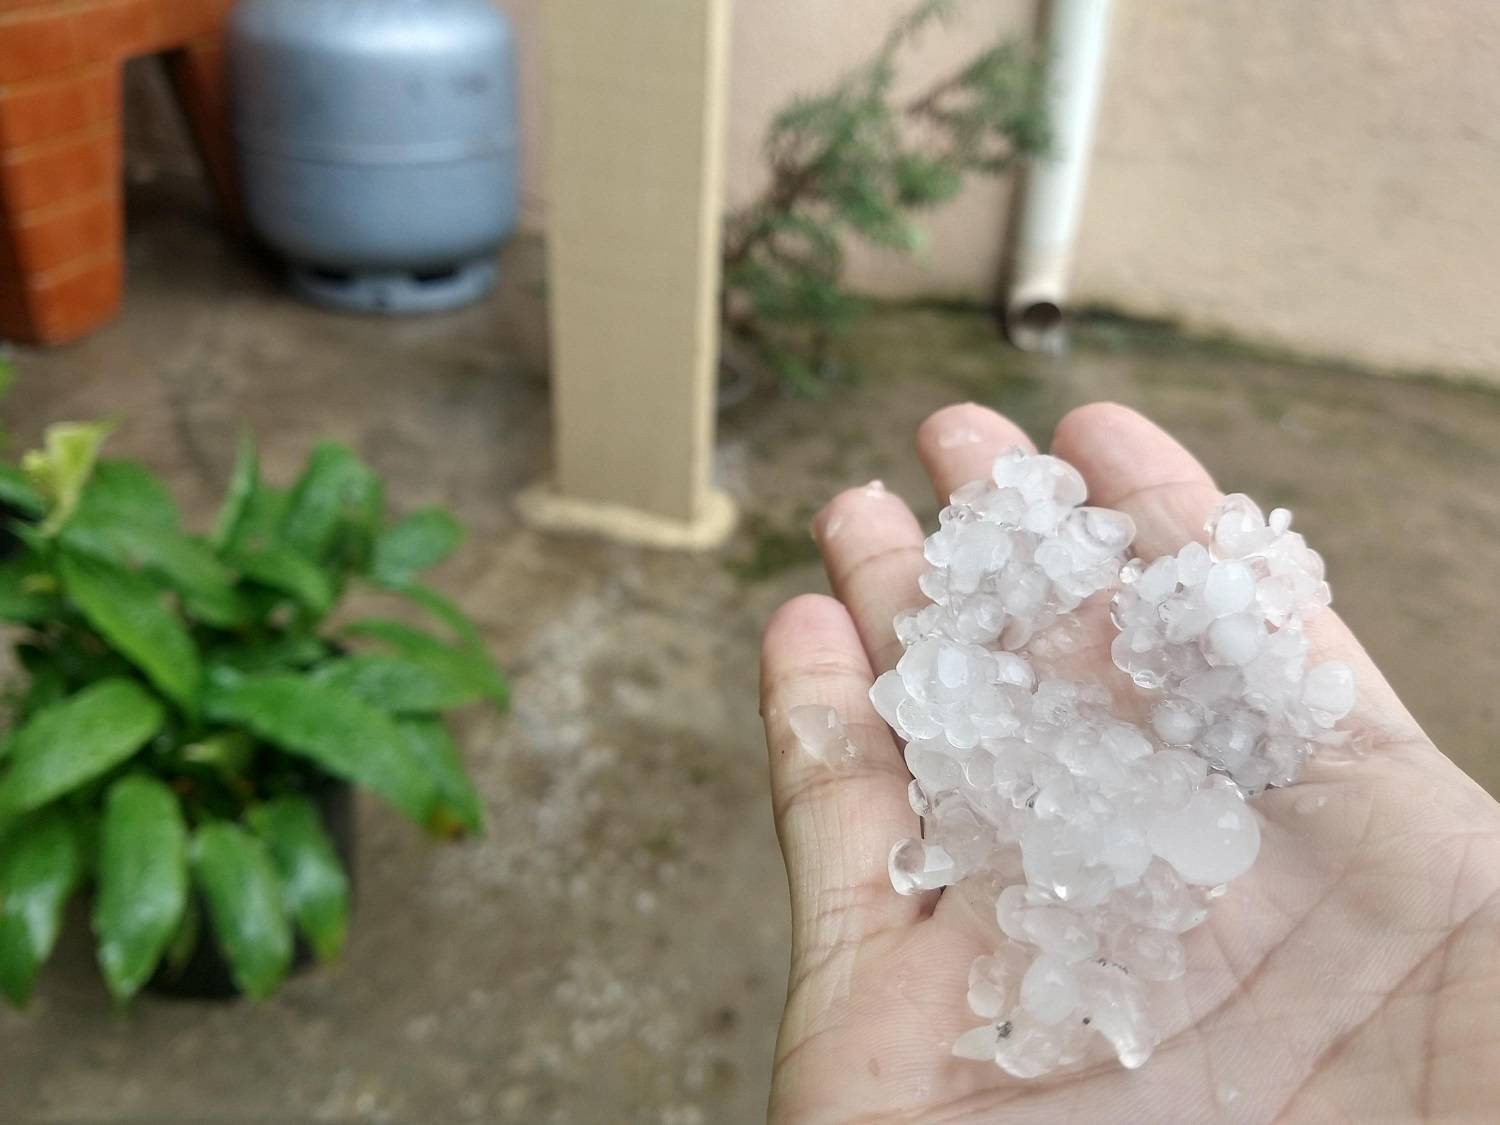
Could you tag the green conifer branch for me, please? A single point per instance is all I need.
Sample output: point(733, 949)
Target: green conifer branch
point(854, 163)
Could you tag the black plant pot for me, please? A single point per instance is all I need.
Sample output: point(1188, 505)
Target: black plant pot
point(206, 974)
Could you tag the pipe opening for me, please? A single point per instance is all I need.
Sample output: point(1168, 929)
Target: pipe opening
point(1036, 326)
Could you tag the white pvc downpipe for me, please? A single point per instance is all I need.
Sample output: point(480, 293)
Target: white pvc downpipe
point(1052, 197)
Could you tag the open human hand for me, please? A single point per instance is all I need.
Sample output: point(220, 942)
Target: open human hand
point(1353, 974)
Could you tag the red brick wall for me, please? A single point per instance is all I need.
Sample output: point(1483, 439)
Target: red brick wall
point(60, 159)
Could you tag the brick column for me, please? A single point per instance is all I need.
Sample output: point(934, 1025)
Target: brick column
point(61, 245)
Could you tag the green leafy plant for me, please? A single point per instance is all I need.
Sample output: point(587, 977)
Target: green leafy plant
point(856, 162)
point(188, 700)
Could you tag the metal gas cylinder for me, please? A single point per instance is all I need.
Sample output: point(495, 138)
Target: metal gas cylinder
point(377, 145)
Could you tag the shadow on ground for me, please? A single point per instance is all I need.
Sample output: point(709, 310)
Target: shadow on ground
point(615, 948)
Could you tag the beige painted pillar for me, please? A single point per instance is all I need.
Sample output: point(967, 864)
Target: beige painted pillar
point(635, 124)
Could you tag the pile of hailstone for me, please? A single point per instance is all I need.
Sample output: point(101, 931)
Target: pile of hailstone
point(1103, 838)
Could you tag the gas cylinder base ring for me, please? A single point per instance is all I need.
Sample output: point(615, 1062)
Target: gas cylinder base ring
point(396, 292)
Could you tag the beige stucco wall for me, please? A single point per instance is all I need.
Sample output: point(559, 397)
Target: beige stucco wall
point(1318, 175)
point(1321, 175)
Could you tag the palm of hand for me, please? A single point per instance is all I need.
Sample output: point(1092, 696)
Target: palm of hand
point(1350, 975)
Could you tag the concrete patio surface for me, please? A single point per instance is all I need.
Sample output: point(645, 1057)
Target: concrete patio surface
point(615, 948)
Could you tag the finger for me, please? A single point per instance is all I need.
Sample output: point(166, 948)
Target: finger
point(836, 825)
point(959, 444)
point(872, 544)
point(872, 550)
point(1131, 464)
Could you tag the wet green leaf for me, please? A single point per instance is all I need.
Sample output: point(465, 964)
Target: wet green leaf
point(396, 684)
point(278, 654)
point(313, 882)
point(59, 470)
point(467, 667)
point(413, 544)
point(41, 864)
point(181, 562)
point(334, 728)
point(288, 572)
point(442, 608)
point(142, 881)
point(233, 871)
point(260, 522)
point(126, 517)
point(131, 613)
point(334, 488)
point(126, 492)
point(69, 743)
point(456, 807)
point(243, 479)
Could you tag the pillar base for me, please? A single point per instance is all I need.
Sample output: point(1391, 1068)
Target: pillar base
point(542, 507)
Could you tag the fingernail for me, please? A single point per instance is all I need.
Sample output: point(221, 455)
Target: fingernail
point(959, 435)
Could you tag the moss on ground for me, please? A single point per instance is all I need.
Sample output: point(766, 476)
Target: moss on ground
point(774, 549)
